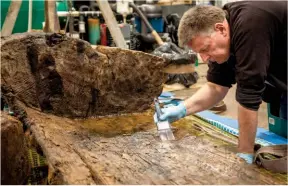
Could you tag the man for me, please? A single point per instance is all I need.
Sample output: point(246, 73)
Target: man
point(243, 43)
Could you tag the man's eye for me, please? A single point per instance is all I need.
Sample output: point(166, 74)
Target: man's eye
point(204, 50)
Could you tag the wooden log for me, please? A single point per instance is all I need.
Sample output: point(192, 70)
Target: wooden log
point(11, 17)
point(14, 154)
point(37, 69)
point(126, 150)
point(67, 77)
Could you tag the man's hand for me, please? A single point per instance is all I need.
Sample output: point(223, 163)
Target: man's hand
point(172, 113)
point(249, 158)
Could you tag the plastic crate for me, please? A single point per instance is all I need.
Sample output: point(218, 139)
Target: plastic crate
point(277, 125)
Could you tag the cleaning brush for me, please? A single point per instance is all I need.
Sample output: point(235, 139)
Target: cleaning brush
point(163, 127)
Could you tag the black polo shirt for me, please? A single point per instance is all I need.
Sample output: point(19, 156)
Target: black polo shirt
point(258, 36)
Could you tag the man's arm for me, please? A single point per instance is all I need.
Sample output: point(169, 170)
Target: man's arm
point(205, 98)
point(247, 120)
point(253, 61)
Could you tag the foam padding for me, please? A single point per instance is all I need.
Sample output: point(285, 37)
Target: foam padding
point(263, 136)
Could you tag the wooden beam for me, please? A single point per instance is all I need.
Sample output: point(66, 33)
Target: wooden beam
point(30, 16)
point(51, 18)
point(11, 17)
point(112, 24)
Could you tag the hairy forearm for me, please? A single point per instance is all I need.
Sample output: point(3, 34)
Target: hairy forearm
point(205, 98)
point(247, 120)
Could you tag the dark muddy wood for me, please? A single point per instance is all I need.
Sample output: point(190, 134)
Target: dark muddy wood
point(78, 154)
point(14, 155)
point(66, 77)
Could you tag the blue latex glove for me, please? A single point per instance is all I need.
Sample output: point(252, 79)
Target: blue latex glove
point(247, 157)
point(166, 94)
point(173, 113)
point(169, 101)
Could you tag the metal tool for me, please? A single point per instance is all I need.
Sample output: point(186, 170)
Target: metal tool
point(163, 127)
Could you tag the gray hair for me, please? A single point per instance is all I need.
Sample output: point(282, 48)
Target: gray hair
point(198, 20)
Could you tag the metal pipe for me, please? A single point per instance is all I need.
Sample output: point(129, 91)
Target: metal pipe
point(71, 19)
point(77, 13)
point(81, 21)
point(81, 10)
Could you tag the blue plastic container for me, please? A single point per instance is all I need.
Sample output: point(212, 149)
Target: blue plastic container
point(277, 125)
point(156, 23)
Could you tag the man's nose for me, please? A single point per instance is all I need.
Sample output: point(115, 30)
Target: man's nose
point(205, 57)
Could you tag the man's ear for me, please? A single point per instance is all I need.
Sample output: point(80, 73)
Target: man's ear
point(220, 27)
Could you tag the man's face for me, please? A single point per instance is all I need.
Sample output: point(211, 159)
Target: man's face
point(213, 47)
